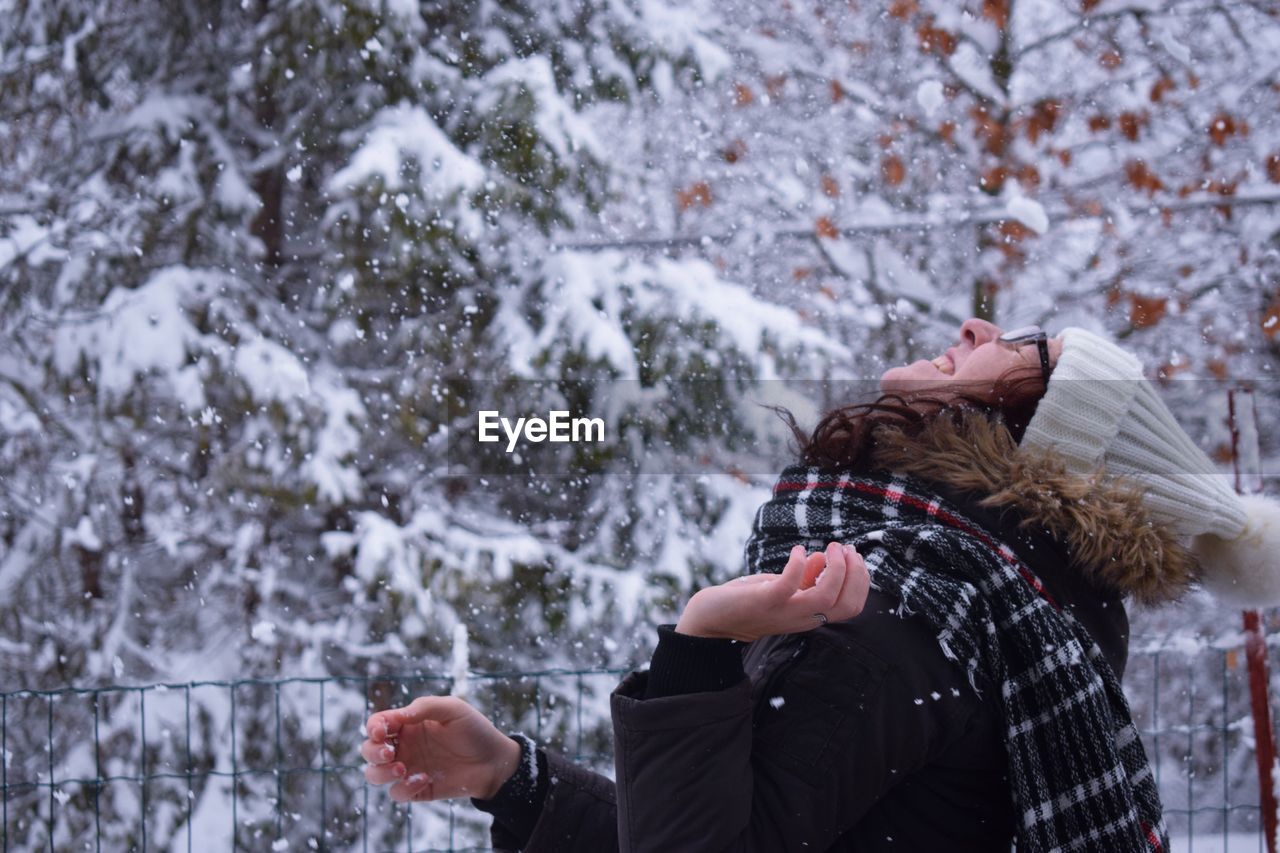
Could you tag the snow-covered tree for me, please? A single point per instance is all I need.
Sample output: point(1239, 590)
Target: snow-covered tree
point(261, 262)
point(888, 169)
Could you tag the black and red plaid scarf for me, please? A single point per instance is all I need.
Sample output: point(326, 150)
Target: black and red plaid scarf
point(1079, 775)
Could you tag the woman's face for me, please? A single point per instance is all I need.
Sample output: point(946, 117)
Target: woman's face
point(978, 360)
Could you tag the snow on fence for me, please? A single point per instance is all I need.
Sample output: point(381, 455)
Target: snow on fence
point(272, 764)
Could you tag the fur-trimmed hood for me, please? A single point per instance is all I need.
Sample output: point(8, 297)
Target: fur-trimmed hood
point(1106, 531)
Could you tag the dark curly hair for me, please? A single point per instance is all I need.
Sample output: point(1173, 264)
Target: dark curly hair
point(845, 436)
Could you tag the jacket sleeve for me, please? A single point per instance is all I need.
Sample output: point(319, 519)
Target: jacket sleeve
point(518, 803)
point(796, 762)
point(551, 804)
point(789, 760)
point(579, 814)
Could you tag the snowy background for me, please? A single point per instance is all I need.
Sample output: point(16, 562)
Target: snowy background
point(252, 252)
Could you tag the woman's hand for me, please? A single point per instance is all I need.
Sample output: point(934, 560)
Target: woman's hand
point(812, 590)
point(437, 748)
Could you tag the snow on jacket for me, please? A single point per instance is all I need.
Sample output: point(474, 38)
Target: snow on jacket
point(857, 736)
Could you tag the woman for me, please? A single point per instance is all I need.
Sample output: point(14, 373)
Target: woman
point(1006, 498)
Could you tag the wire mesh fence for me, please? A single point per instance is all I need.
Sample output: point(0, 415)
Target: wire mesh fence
point(254, 764)
point(273, 764)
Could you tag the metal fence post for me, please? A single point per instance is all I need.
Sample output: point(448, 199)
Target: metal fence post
point(1246, 466)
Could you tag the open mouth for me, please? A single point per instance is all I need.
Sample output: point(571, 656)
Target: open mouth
point(945, 365)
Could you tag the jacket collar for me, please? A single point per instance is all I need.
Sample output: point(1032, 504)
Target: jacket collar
point(1102, 528)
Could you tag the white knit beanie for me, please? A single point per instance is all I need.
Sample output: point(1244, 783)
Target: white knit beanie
point(1099, 410)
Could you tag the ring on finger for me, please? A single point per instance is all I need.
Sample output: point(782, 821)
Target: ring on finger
point(822, 618)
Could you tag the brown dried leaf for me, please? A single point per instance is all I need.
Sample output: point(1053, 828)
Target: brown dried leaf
point(1160, 87)
point(1043, 118)
point(698, 194)
point(997, 11)
point(1013, 254)
point(734, 151)
point(893, 170)
point(1142, 178)
point(992, 180)
point(936, 40)
point(1271, 320)
point(989, 131)
point(1221, 186)
point(903, 9)
point(1146, 311)
point(1168, 370)
point(1014, 231)
point(826, 228)
point(1131, 124)
point(1223, 127)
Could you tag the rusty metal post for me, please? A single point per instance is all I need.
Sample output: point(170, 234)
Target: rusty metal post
point(1247, 468)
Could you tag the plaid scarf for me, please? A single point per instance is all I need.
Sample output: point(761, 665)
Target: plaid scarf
point(1079, 775)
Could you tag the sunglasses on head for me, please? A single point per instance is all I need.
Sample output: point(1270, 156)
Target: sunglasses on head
point(1030, 334)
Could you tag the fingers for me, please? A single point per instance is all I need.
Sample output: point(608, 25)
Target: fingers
point(382, 774)
point(827, 588)
point(857, 583)
point(386, 724)
point(813, 566)
point(793, 573)
point(840, 591)
point(377, 753)
point(802, 569)
point(382, 767)
point(417, 788)
point(748, 580)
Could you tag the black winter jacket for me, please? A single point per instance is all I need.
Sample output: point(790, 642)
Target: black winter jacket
point(857, 736)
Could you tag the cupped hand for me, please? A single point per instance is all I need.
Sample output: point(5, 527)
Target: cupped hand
point(437, 748)
point(811, 590)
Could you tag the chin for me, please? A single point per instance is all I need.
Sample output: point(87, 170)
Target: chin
point(920, 377)
point(908, 377)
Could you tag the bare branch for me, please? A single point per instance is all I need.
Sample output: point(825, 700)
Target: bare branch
point(921, 222)
point(879, 294)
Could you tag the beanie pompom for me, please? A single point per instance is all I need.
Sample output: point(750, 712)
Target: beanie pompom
point(1244, 571)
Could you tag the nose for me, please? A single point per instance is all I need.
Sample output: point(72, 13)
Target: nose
point(975, 332)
